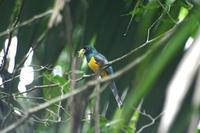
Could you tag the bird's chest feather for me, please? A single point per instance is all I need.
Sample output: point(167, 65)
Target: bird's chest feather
point(95, 67)
point(93, 64)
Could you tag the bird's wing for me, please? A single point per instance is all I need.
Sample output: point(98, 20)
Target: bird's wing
point(100, 59)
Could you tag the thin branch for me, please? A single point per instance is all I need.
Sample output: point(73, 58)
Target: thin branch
point(48, 119)
point(151, 26)
point(167, 11)
point(27, 22)
point(34, 98)
point(60, 103)
point(153, 120)
point(82, 73)
point(46, 67)
point(17, 76)
point(36, 87)
point(132, 16)
point(136, 49)
point(5, 95)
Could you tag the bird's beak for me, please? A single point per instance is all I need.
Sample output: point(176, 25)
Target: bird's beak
point(81, 53)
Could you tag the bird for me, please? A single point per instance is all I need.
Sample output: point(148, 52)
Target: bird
point(96, 61)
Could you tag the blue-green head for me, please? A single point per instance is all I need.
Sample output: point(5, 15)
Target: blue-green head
point(88, 51)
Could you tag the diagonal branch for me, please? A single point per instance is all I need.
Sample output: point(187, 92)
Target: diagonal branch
point(27, 22)
point(136, 49)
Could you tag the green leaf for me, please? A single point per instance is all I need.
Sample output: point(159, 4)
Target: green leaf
point(55, 91)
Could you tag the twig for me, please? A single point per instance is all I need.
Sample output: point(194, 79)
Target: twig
point(27, 22)
point(60, 103)
point(132, 16)
point(17, 76)
point(36, 87)
point(54, 114)
point(151, 118)
point(48, 119)
point(34, 98)
point(166, 10)
point(82, 73)
point(151, 26)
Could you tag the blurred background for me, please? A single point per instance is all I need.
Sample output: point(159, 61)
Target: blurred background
point(158, 76)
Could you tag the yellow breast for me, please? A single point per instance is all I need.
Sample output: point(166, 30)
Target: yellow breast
point(95, 67)
point(93, 64)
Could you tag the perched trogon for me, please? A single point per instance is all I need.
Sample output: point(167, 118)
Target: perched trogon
point(95, 62)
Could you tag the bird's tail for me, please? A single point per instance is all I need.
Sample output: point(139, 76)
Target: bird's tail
point(115, 93)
